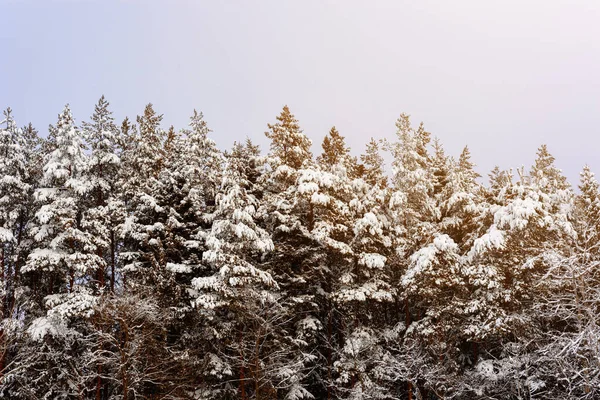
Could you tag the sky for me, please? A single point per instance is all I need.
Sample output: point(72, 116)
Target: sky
point(502, 77)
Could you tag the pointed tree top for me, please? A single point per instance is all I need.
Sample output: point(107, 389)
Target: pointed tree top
point(334, 150)
point(545, 174)
point(65, 118)
point(587, 182)
point(288, 143)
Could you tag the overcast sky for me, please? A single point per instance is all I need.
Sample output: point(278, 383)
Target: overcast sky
point(502, 77)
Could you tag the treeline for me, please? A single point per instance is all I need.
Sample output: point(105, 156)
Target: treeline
point(139, 263)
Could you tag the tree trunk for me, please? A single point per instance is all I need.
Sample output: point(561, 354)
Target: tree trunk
point(3, 310)
point(329, 344)
point(407, 323)
point(112, 261)
point(242, 372)
point(257, 365)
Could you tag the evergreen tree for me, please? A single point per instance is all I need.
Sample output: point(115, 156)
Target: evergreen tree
point(289, 146)
point(56, 272)
point(336, 155)
point(372, 162)
point(65, 252)
point(143, 255)
point(461, 203)
point(15, 192)
point(105, 210)
point(237, 284)
point(288, 212)
point(440, 167)
point(545, 174)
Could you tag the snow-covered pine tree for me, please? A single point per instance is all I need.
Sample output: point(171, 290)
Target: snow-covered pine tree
point(288, 212)
point(412, 202)
point(143, 255)
point(203, 168)
point(364, 293)
point(336, 154)
point(237, 293)
point(152, 240)
point(544, 174)
point(64, 254)
point(498, 180)
point(434, 285)
point(105, 210)
point(190, 183)
point(15, 193)
point(373, 165)
point(326, 190)
point(21, 245)
point(440, 166)
point(55, 276)
point(461, 202)
point(289, 146)
point(412, 206)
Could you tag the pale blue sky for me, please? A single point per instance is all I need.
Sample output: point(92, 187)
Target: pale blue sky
point(502, 77)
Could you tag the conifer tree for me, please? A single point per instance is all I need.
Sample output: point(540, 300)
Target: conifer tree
point(507, 266)
point(15, 194)
point(144, 228)
point(336, 155)
point(412, 180)
point(440, 167)
point(237, 283)
point(545, 174)
point(460, 202)
point(14, 191)
point(373, 165)
point(289, 146)
point(56, 272)
point(189, 184)
point(289, 213)
point(572, 353)
point(105, 211)
point(64, 251)
point(203, 165)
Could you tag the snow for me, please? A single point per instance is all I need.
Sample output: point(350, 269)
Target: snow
point(493, 239)
point(517, 214)
point(372, 260)
point(43, 326)
point(179, 268)
point(6, 235)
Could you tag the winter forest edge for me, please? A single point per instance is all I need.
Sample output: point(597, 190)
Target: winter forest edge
point(142, 263)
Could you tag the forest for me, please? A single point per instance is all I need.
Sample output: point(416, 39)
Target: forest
point(143, 262)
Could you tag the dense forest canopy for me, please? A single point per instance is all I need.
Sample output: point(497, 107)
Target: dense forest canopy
point(144, 263)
